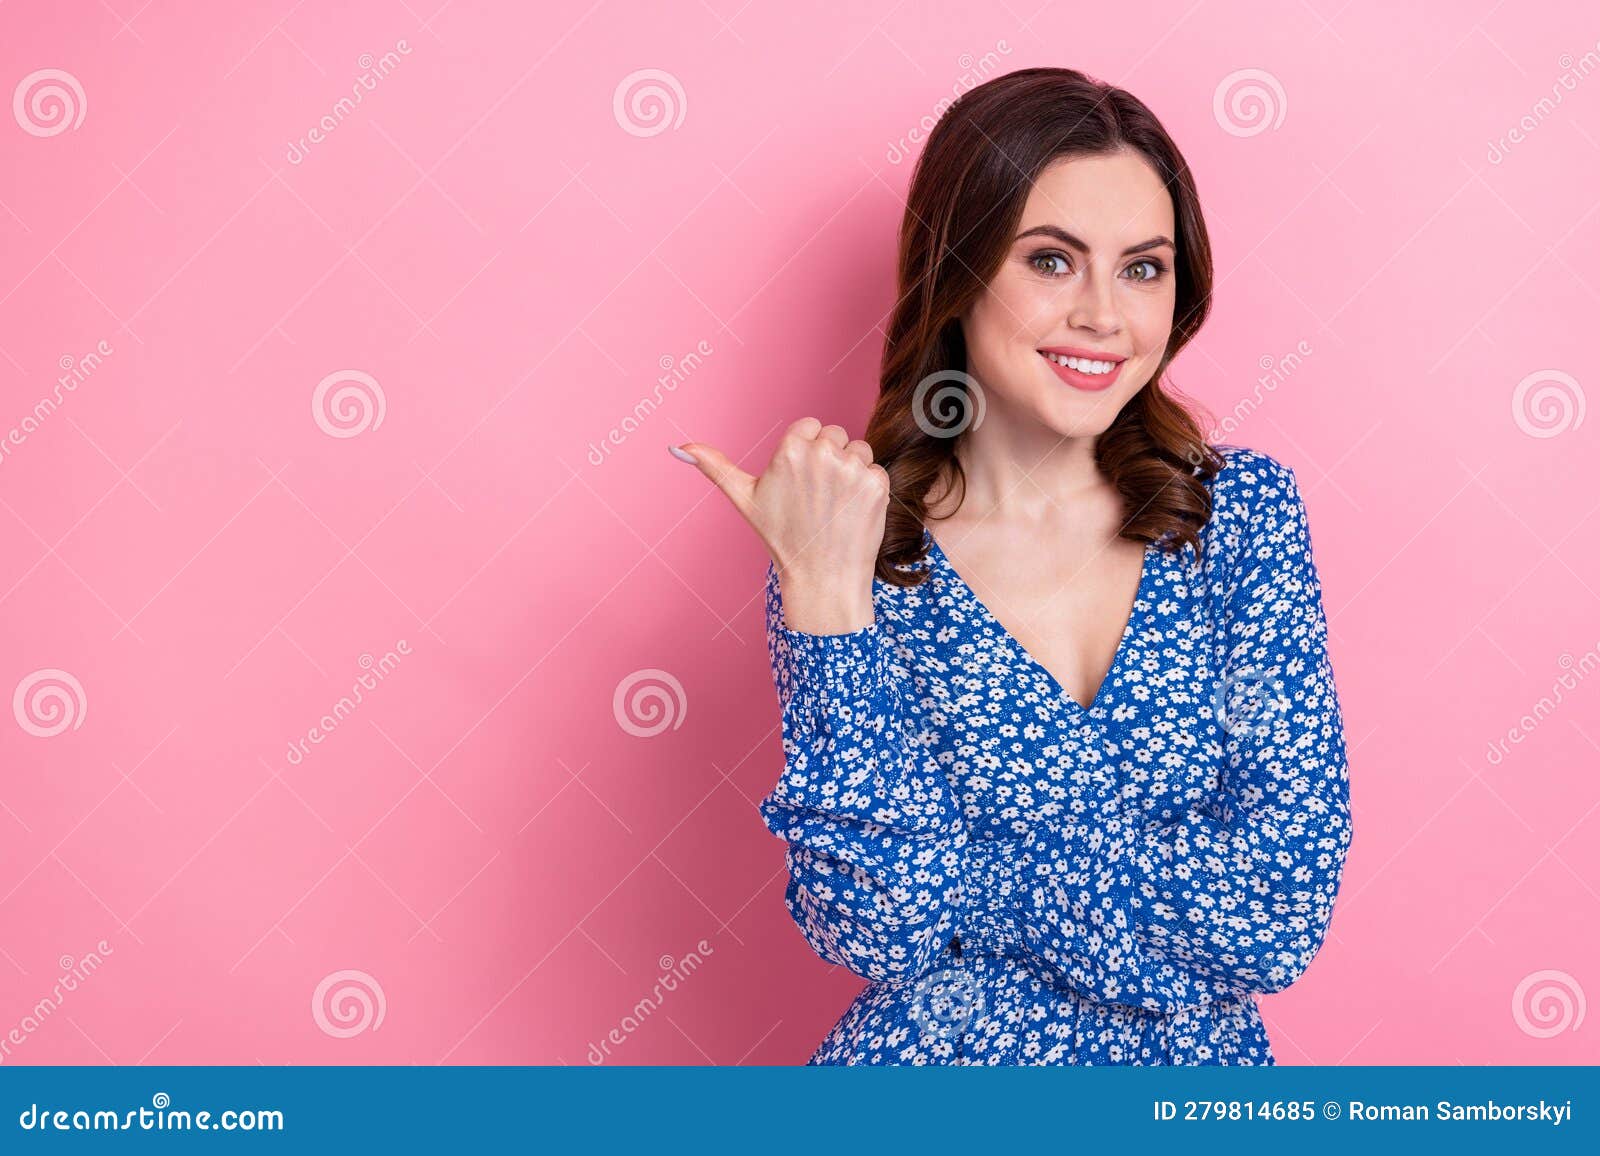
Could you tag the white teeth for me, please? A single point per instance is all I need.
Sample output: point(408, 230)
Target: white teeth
point(1081, 365)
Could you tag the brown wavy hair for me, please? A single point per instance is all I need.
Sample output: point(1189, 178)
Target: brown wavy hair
point(967, 195)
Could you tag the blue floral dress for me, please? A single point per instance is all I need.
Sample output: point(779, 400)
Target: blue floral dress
point(1023, 880)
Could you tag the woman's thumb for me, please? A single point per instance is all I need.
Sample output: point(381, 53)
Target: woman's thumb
point(716, 465)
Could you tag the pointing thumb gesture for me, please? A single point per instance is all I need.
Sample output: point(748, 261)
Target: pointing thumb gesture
point(721, 469)
point(820, 509)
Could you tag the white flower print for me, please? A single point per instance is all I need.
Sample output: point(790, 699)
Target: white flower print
point(1118, 883)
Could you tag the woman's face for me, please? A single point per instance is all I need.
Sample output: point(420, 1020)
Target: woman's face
point(1090, 269)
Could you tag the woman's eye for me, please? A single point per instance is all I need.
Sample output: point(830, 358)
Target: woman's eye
point(1056, 265)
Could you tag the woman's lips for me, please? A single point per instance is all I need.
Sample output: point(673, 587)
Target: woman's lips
point(1086, 381)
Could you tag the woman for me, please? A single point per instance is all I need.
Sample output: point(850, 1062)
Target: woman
point(1066, 779)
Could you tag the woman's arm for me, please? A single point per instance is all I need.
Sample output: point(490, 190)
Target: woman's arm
point(874, 837)
point(1235, 897)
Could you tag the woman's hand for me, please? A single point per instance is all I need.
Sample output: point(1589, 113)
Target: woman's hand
point(820, 507)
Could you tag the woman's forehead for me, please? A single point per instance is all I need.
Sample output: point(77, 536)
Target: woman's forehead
point(1104, 200)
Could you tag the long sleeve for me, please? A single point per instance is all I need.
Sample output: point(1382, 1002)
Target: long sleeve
point(1235, 896)
point(874, 835)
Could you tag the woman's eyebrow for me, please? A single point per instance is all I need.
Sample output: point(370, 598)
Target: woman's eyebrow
point(1068, 239)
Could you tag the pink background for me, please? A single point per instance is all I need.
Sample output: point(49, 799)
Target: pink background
point(483, 840)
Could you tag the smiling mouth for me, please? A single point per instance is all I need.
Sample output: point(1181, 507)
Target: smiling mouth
point(1083, 372)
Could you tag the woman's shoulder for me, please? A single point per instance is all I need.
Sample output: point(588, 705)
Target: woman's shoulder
point(1250, 483)
point(1246, 470)
point(1255, 505)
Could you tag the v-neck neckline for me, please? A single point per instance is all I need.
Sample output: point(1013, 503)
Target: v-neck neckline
point(1124, 645)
